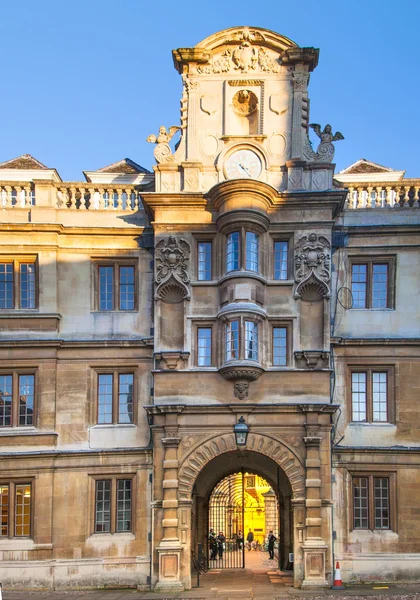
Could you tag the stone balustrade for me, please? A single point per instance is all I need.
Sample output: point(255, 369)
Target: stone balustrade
point(70, 196)
point(371, 194)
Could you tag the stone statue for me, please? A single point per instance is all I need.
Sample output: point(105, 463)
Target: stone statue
point(325, 150)
point(163, 152)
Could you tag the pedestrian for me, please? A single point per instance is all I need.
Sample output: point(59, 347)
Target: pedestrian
point(221, 543)
point(271, 539)
point(212, 544)
point(240, 540)
point(250, 539)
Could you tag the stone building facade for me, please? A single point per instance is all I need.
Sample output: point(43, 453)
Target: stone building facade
point(142, 313)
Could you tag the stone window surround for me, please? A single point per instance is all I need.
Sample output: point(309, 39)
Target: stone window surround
point(288, 325)
point(369, 368)
point(16, 372)
point(276, 237)
point(97, 262)
point(393, 521)
point(241, 318)
point(204, 324)
point(115, 371)
point(113, 477)
point(369, 260)
point(12, 482)
point(17, 260)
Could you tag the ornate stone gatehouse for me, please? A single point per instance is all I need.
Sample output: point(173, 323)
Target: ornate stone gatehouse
point(145, 316)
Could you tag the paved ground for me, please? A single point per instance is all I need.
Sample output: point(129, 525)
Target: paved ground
point(260, 580)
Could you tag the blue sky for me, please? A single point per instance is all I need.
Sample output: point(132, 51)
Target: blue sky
point(85, 82)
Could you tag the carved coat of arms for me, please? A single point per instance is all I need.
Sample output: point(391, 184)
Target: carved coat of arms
point(171, 270)
point(312, 263)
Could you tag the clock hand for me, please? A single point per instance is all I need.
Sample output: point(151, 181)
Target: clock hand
point(244, 169)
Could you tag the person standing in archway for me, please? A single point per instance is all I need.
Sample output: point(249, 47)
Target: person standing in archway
point(250, 539)
point(271, 539)
point(221, 543)
point(213, 544)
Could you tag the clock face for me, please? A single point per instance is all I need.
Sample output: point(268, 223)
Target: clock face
point(243, 164)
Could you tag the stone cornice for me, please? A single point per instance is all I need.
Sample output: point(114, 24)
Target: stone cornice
point(25, 343)
point(69, 230)
point(375, 450)
point(160, 409)
point(156, 201)
point(338, 341)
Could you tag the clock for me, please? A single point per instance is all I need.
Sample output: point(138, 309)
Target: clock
point(243, 164)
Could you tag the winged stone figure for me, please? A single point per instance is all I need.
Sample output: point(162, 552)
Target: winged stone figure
point(325, 150)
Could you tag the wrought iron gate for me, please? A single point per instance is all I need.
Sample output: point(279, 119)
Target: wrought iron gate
point(226, 515)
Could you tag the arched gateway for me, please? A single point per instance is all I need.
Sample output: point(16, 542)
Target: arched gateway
point(189, 463)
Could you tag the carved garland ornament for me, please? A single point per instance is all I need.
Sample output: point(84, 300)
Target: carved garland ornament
point(202, 454)
point(312, 267)
point(244, 58)
point(171, 276)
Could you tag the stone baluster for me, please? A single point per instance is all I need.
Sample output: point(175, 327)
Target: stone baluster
point(28, 196)
point(102, 199)
point(416, 197)
point(377, 200)
point(388, 200)
point(350, 199)
point(359, 198)
point(92, 199)
point(19, 203)
point(83, 193)
point(407, 202)
point(369, 197)
point(119, 199)
point(399, 198)
point(8, 200)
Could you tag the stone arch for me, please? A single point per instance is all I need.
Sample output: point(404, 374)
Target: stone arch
point(275, 449)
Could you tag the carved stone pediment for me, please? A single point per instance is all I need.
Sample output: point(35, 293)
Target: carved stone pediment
point(171, 275)
point(312, 267)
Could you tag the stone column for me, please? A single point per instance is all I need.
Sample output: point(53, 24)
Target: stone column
point(192, 87)
point(169, 549)
point(300, 83)
point(314, 547)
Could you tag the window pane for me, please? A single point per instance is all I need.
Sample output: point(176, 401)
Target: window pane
point(23, 510)
point(232, 340)
point(105, 399)
point(204, 261)
point(252, 243)
point(381, 498)
point(124, 505)
point(6, 390)
point(127, 288)
point(232, 251)
point(27, 285)
point(6, 285)
point(4, 509)
point(125, 398)
point(358, 396)
point(204, 346)
point(360, 502)
point(358, 285)
point(26, 399)
point(379, 396)
point(251, 340)
point(103, 506)
point(280, 260)
point(106, 288)
point(379, 286)
point(279, 346)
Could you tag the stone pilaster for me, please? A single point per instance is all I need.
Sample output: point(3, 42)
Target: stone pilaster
point(314, 547)
point(169, 549)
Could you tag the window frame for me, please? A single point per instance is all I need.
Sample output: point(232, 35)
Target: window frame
point(287, 241)
point(115, 372)
point(210, 242)
point(12, 483)
point(199, 326)
point(369, 370)
point(369, 261)
point(242, 231)
point(113, 501)
point(288, 328)
point(116, 264)
point(392, 489)
point(16, 262)
point(16, 373)
point(241, 320)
